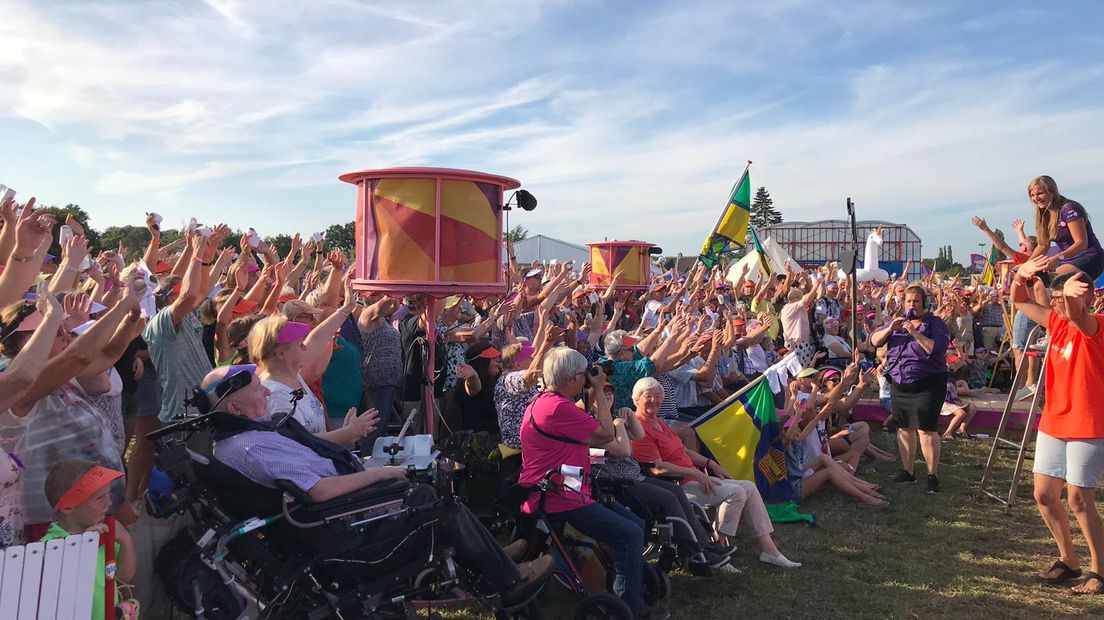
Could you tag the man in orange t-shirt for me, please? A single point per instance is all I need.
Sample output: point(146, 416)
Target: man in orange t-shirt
point(1069, 450)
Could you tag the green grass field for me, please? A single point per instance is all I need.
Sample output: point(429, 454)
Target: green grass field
point(951, 555)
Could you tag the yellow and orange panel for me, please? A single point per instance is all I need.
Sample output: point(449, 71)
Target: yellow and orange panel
point(631, 259)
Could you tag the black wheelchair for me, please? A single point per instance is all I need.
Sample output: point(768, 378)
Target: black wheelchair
point(255, 552)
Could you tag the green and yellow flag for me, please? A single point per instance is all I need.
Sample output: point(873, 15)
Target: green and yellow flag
point(764, 260)
point(732, 227)
point(743, 435)
point(989, 276)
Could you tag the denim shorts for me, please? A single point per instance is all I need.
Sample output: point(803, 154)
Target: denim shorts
point(1021, 328)
point(1078, 462)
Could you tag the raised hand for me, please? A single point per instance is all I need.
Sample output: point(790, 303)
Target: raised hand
point(980, 223)
point(35, 227)
point(72, 222)
point(9, 211)
point(46, 303)
point(360, 425)
point(465, 372)
point(1018, 225)
point(76, 249)
point(1032, 266)
point(1075, 287)
point(79, 308)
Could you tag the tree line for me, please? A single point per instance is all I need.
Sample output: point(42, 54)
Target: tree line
point(134, 239)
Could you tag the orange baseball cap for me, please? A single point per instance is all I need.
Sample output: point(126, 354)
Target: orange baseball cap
point(162, 267)
point(90, 481)
point(244, 306)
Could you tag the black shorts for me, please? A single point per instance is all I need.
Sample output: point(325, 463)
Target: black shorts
point(1092, 264)
point(917, 405)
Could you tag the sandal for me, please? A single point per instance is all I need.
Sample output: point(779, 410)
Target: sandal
point(1066, 574)
point(1099, 589)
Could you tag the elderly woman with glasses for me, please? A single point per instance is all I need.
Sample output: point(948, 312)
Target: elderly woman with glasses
point(704, 480)
point(555, 432)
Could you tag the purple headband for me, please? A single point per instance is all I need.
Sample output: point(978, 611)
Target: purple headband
point(293, 332)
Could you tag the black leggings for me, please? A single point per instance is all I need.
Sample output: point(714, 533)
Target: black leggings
point(663, 498)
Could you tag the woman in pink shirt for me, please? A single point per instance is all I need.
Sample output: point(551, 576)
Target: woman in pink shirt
point(556, 432)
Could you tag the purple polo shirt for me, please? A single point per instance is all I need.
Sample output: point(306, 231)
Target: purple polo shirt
point(906, 359)
point(1071, 212)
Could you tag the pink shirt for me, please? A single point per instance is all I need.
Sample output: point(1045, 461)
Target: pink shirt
point(795, 321)
point(557, 416)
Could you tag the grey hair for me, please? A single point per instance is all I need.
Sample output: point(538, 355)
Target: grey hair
point(314, 297)
point(612, 342)
point(647, 384)
point(561, 365)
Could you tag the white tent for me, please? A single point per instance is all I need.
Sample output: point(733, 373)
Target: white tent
point(776, 257)
point(546, 249)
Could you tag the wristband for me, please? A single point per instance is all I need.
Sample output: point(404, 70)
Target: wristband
point(205, 263)
point(21, 259)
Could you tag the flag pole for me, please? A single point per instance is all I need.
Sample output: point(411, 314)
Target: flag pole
point(740, 392)
point(720, 218)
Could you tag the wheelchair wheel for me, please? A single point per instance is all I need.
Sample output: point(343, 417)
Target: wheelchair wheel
point(657, 586)
point(602, 605)
point(532, 611)
point(187, 578)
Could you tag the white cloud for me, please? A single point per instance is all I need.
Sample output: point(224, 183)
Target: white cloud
point(627, 124)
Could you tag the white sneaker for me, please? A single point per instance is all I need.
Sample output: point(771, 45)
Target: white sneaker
point(728, 569)
point(1041, 344)
point(1024, 393)
point(778, 560)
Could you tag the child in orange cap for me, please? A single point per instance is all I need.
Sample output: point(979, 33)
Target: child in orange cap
point(79, 491)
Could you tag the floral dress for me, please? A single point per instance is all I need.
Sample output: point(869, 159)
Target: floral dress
point(11, 501)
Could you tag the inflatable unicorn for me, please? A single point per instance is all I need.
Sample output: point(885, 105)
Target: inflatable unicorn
point(870, 271)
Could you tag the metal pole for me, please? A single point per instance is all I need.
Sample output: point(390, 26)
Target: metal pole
point(852, 280)
point(429, 406)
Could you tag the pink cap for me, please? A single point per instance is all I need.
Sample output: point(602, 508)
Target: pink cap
point(524, 355)
point(293, 332)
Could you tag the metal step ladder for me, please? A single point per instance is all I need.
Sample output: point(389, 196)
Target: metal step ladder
point(1023, 445)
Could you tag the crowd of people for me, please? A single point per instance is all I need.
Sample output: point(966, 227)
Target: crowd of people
point(99, 351)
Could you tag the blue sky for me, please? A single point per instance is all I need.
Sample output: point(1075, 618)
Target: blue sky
point(625, 119)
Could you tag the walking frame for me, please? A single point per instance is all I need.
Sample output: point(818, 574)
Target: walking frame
point(1022, 447)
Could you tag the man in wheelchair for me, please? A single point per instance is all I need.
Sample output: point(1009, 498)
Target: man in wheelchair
point(281, 454)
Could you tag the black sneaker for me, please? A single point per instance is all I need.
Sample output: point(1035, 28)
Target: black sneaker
point(716, 548)
point(933, 484)
point(905, 478)
point(700, 568)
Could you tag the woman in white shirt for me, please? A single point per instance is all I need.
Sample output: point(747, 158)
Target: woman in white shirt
point(289, 356)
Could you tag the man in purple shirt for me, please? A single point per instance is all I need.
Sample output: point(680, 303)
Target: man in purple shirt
point(916, 349)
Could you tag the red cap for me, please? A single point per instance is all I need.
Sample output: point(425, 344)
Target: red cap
point(286, 298)
point(244, 306)
point(628, 341)
point(90, 481)
point(489, 353)
point(162, 267)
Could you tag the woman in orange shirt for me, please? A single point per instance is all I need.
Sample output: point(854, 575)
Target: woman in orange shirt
point(1069, 450)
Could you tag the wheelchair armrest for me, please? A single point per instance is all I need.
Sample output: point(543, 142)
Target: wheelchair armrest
point(646, 468)
point(380, 492)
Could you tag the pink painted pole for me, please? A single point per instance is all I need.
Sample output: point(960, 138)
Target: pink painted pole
point(431, 346)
